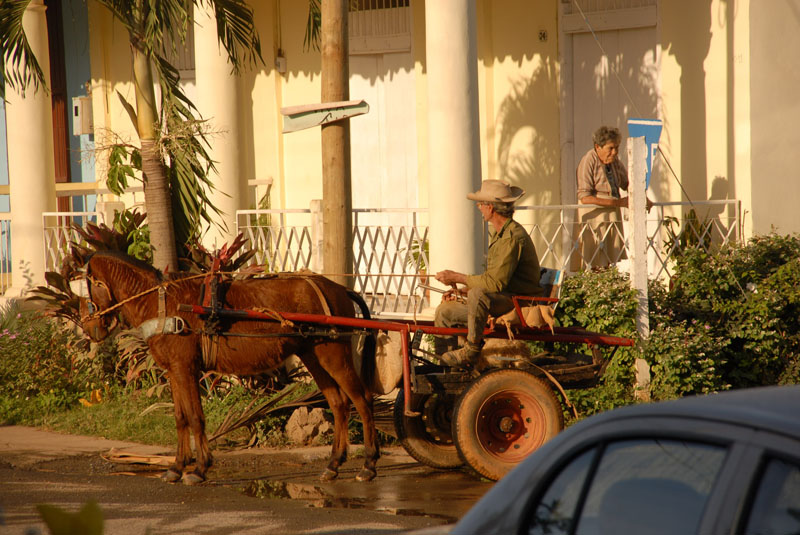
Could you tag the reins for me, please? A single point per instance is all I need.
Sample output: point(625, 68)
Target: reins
point(101, 313)
point(166, 284)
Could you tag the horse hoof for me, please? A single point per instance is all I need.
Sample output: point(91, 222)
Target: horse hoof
point(171, 476)
point(366, 474)
point(192, 479)
point(329, 475)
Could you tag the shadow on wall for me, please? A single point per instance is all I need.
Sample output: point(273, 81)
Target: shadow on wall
point(689, 41)
point(526, 154)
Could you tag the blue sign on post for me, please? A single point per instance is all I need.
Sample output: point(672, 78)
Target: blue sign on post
point(650, 129)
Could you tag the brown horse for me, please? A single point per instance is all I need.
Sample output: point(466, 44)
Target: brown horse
point(146, 299)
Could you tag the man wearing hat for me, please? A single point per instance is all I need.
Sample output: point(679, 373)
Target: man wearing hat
point(512, 268)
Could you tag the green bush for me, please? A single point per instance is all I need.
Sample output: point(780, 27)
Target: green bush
point(602, 301)
point(727, 320)
point(730, 319)
point(43, 365)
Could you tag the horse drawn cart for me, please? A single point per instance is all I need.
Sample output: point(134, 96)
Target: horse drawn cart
point(489, 417)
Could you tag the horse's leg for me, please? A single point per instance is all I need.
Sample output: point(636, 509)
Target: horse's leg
point(335, 358)
point(195, 419)
point(340, 407)
point(184, 454)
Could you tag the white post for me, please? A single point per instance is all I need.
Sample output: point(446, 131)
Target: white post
point(217, 101)
point(453, 135)
point(637, 166)
point(31, 165)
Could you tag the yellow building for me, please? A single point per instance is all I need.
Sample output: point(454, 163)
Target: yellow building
point(459, 91)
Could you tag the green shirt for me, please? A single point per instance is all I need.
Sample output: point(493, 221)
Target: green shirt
point(511, 265)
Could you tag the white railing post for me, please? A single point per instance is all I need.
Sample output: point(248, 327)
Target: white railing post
point(317, 237)
point(637, 163)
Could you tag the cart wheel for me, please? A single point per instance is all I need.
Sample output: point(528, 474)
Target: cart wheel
point(502, 417)
point(427, 437)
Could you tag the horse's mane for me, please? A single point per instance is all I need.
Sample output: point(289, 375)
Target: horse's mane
point(128, 259)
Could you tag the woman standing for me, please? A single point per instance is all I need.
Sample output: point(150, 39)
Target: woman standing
point(601, 180)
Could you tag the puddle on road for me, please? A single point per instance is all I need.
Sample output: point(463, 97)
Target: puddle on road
point(399, 490)
point(316, 496)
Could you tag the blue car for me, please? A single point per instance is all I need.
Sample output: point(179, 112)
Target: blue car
point(725, 463)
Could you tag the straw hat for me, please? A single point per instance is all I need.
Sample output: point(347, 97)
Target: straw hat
point(496, 191)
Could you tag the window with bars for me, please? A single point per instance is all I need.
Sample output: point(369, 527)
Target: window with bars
point(379, 26)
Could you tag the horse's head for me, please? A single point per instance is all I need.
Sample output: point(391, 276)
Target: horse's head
point(95, 320)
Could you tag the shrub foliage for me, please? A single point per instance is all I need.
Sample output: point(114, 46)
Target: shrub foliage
point(729, 320)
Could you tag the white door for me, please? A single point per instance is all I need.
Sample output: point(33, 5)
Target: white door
point(383, 142)
point(613, 87)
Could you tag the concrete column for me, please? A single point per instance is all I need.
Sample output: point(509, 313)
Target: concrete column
point(453, 135)
point(31, 167)
point(218, 102)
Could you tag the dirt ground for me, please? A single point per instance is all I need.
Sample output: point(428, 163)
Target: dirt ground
point(249, 491)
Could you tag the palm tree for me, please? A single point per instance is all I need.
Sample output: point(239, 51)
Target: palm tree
point(174, 162)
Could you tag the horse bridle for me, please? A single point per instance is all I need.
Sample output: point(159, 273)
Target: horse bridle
point(91, 306)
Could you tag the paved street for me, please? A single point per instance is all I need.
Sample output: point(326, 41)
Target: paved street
point(249, 492)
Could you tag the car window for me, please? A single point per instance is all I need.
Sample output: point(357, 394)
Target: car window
point(646, 487)
point(555, 511)
point(776, 508)
point(650, 487)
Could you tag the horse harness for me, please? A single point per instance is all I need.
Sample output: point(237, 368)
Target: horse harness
point(211, 332)
point(210, 297)
point(162, 324)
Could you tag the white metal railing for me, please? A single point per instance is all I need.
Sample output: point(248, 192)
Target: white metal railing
point(390, 259)
point(558, 234)
point(59, 233)
point(389, 250)
point(380, 26)
point(593, 6)
point(390, 245)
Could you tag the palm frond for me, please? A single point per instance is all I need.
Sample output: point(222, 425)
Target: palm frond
point(313, 26)
point(236, 32)
point(20, 68)
point(255, 412)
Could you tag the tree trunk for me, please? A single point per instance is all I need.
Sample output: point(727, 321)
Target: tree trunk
point(336, 189)
point(157, 201)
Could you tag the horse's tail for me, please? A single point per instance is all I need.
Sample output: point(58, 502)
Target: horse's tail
point(368, 353)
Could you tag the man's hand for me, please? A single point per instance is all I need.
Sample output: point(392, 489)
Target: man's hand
point(450, 277)
point(454, 294)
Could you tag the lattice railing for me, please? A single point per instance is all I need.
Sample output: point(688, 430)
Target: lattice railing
point(59, 232)
point(388, 263)
point(390, 246)
point(389, 251)
point(558, 234)
point(285, 246)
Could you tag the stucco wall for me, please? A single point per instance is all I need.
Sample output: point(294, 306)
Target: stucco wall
point(699, 93)
point(775, 115)
point(519, 96)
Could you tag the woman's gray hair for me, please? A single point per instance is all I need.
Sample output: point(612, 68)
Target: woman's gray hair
point(505, 209)
point(604, 134)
